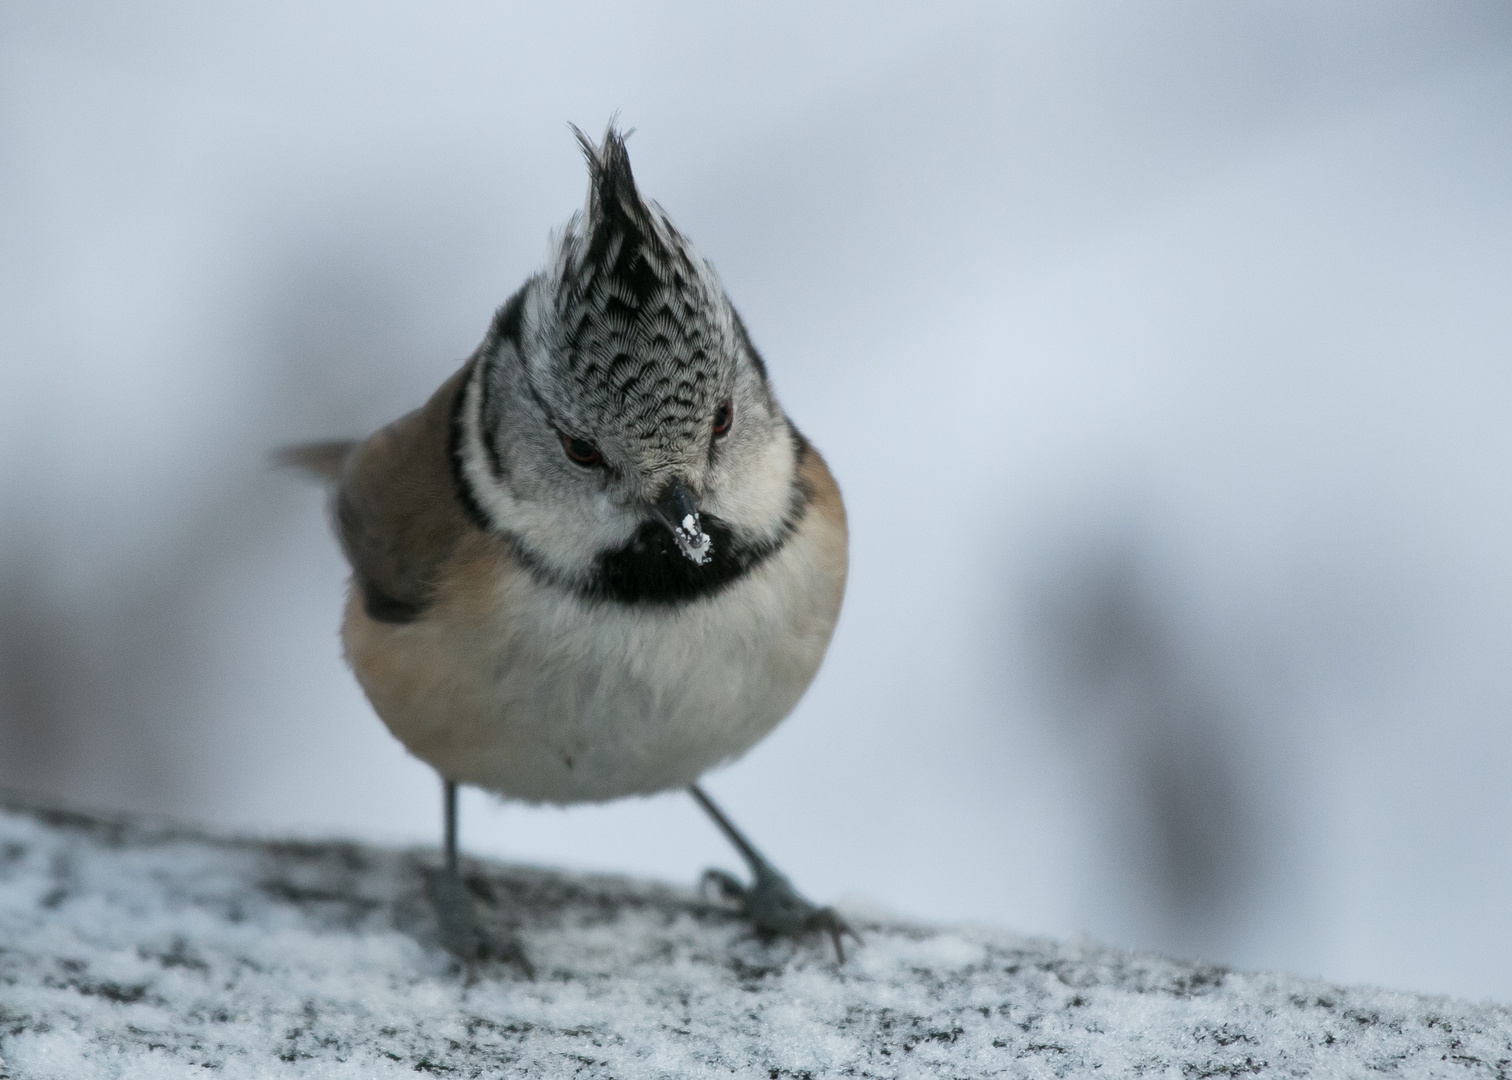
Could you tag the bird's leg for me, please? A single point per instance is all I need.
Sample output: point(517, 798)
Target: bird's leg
point(770, 901)
point(456, 910)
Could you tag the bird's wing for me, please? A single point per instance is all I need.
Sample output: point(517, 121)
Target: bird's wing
point(397, 509)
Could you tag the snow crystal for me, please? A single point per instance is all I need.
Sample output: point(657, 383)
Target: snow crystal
point(129, 949)
point(692, 540)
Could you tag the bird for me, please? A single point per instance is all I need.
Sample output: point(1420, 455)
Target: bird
point(600, 560)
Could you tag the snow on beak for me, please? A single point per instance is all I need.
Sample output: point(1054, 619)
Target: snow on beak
point(677, 511)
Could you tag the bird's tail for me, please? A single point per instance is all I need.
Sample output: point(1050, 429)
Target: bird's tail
point(321, 460)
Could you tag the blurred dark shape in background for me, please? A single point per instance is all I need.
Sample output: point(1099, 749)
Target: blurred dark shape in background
point(93, 690)
point(1160, 733)
point(38, 653)
point(102, 690)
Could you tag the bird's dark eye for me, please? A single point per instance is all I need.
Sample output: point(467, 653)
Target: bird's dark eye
point(724, 416)
point(581, 450)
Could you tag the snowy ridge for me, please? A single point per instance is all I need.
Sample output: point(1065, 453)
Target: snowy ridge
point(131, 949)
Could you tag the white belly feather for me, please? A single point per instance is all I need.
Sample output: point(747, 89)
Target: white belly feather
point(547, 697)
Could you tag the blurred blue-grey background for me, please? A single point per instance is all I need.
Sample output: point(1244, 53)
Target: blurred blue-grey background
point(1163, 352)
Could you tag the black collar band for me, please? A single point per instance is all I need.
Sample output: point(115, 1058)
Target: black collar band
point(649, 571)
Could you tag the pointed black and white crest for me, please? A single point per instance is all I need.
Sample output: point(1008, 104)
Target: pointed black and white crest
point(616, 386)
point(641, 333)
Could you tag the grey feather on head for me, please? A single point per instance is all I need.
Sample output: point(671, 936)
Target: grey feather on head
point(645, 338)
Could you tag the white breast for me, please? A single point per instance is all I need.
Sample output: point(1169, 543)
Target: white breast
point(552, 698)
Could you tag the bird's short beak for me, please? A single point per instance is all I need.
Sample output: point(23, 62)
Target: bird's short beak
point(678, 512)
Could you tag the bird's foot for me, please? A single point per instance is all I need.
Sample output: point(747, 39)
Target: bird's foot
point(775, 908)
point(462, 932)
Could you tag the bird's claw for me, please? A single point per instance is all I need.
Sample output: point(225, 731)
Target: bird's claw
point(775, 908)
point(461, 931)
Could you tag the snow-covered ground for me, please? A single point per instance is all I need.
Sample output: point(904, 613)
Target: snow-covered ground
point(148, 951)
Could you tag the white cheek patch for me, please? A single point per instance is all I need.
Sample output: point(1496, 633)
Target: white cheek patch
point(757, 493)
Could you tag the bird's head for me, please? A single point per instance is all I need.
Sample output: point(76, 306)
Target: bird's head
point(621, 427)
